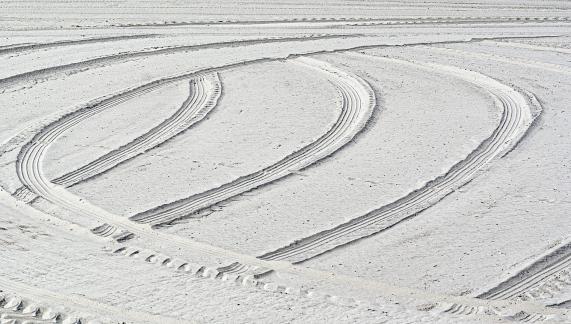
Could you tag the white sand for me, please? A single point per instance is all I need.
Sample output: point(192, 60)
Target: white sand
point(339, 162)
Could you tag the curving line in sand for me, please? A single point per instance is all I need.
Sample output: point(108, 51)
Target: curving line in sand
point(357, 107)
point(531, 46)
point(125, 56)
point(22, 135)
point(29, 168)
point(351, 21)
point(14, 309)
point(544, 276)
point(204, 95)
point(18, 48)
point(515, 119)
point(28, 164)
point(556, 68)
point(30, 158)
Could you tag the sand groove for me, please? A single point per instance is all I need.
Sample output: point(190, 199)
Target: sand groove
point(234, 273)
point(516, 118)
point(18, 48)
point(203, 96)
point(357, 106)
point(31, 175)
point(358, 21)
point(122, 57)
point(16, 310)
point(545, 276)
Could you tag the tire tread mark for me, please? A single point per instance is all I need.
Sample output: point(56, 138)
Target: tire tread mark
point(18, 48)
point(512, 126)
point(357, 106)
point(203, 96)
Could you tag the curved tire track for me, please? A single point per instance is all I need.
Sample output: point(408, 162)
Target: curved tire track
point(353, 21)
point(358, 103)
point(122, 57)
point(29, 170)
point(28, 164)
point(17, 310)
point(545, 275)
point(18, 48)
point(30, 157)
point(516, 118)
point(14, 309)
point(204, 94)
point(556, 68)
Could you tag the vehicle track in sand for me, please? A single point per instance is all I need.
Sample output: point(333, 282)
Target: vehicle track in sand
point(355, 21)
point(204, 94)
point(544, 277)
point(29, 170)
point(564, 304)
point(505, 59)
point(30, 159)
point(35, 75)
point(516, 117)
point(530, 46)
point(358, 102)
point(28, 47)
point(30, 156)
point(27, 196)
point(15, 141)
point(14, 309)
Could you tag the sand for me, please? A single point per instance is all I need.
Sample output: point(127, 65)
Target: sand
point(289, 162)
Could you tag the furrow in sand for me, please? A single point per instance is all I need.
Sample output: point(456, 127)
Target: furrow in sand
point(563, 304)
point(533, 276)
point(193, 110)
point(204, 94)
point(18, 48)
point(14, 309)
point(356, 21)
point(556, 68)
point(358, 101)
point(516, 117)
point(531, 46)
point(122, 57)
point(16, 140)
point(29, 162)
point(31, 174)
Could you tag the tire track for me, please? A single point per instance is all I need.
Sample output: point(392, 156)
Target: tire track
point(29, 161)
point(29, 165)
point(16, 310)
point(22, 135)
point(204, 93)
point(516, 118)
point(122, 57)
point(473, 311)
point(29, 170)
point(249, 279)
point(544, 277)
point(355, 21)
point(464, 21)
point(505, 59)
point(358, 103)
point(564, 304)
point(18, 48)
point(530, 46)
